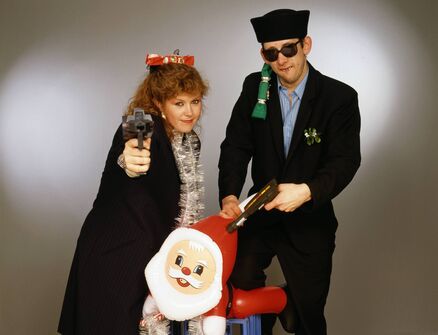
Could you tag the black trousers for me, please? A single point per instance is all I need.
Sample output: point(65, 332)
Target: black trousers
point(307, 274)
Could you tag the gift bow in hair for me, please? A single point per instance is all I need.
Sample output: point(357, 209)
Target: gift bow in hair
point(154, 59)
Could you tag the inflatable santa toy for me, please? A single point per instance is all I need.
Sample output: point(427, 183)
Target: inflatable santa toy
point(188, 277)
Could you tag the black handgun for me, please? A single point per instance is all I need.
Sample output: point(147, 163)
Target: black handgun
point(139, 125)
point(265, 195)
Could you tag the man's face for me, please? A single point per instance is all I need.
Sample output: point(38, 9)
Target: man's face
point(290, 70)
point(191, 267)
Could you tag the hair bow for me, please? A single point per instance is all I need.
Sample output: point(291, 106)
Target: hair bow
point(155, 59)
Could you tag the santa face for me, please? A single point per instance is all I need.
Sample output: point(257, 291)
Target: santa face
point(191, 267)
point(167, 275)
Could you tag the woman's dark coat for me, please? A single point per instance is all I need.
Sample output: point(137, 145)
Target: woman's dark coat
point(129, 220)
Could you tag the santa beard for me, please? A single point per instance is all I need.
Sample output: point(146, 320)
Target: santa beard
point(173, 304)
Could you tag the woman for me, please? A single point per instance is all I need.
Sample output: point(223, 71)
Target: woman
point(141, 195)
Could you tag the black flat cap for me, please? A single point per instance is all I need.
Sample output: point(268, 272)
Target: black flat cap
point(281, 24)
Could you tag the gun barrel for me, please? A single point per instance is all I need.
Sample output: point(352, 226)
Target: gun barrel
point(266, 194)
point(139, 125)
point(236, 223)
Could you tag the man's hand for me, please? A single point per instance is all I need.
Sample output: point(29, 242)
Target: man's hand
point(137, 162)
point(290, 197)
point(230, 207)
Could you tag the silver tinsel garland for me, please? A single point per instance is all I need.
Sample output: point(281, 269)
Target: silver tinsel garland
point(151, 326)
point(186, 149)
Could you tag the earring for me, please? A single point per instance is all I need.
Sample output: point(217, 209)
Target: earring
point(163, 116)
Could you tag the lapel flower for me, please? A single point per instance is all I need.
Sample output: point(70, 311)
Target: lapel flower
point(312, 136)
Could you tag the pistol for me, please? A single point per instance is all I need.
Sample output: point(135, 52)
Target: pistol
point(139, 125)
point(265, 195)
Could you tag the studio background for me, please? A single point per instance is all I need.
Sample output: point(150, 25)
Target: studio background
point(68, 69)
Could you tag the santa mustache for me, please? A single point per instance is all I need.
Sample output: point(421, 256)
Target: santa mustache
point(177, 273)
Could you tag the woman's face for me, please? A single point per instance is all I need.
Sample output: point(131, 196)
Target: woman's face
point(183, 111)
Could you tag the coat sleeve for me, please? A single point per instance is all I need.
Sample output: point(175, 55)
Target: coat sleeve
point(342, 157)
point(237, 147)
point(113, 174)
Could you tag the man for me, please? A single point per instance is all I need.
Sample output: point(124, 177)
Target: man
point(302, 130)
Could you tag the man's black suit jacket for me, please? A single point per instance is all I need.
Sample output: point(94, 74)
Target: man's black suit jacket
point(329, 106)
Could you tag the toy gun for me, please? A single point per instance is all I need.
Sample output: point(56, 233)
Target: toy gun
point(139, 125)
point(257, 201)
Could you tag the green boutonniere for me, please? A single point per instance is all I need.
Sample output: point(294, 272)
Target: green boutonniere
point(312, 136)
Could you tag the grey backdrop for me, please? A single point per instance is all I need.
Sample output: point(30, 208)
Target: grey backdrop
point(68, 68)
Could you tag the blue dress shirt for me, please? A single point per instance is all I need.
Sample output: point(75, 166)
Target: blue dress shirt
point(290, 104)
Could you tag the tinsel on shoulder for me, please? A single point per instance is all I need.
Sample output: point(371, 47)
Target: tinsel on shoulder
point(186, 149)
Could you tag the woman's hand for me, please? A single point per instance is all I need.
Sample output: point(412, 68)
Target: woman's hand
point(137, 162)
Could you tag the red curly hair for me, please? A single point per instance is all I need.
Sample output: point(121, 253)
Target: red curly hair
point(166, 82)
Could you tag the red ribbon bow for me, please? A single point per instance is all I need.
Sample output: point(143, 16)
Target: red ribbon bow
point(154, 59)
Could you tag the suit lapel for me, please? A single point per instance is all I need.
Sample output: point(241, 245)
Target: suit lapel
point(304, 112)
point(275, 119)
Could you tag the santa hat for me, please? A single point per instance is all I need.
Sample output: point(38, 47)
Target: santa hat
point(216, 228)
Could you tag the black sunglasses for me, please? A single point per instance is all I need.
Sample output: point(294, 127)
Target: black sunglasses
point(288, 50)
